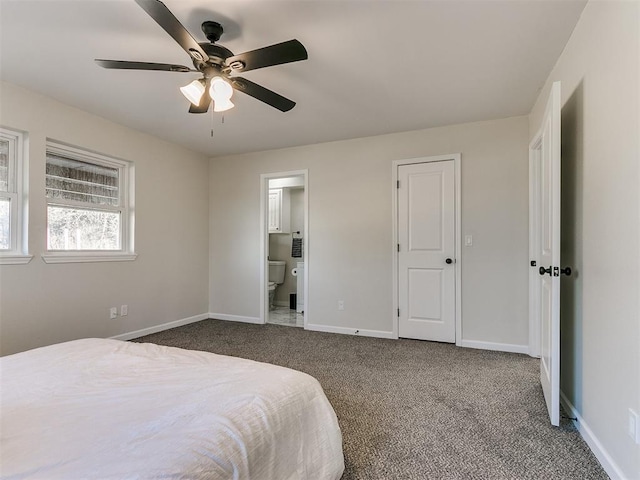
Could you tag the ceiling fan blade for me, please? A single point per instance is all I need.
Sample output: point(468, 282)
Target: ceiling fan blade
point(205, 101)
point(285, 52)
point(126, 65)
point(163, 16)
point(263, 94)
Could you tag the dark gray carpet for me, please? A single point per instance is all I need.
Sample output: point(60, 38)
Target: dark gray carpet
point(415, 410)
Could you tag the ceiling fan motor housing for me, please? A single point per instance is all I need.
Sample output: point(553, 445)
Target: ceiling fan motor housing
point(217, 54)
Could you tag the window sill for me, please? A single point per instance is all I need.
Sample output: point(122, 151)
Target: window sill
point(15, 259)
point(76, 257)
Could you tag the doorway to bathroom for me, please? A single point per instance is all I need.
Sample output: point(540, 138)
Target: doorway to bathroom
point(284, 253)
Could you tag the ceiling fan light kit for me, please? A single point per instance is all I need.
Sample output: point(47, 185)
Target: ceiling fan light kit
point(193, 92)
point(215, 63)
point(221, 93)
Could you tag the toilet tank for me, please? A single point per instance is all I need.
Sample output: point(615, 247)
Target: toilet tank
point(276, 271)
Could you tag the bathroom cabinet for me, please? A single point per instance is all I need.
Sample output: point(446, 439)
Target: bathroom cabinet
point(279, 213)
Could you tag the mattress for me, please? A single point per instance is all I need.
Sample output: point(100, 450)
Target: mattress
point(108, 409)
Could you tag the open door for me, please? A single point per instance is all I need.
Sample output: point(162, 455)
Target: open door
point(545, 151)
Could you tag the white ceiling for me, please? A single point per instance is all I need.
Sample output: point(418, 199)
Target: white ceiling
point(374, 66)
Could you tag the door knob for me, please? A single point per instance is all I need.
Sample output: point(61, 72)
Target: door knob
point(566, 271)
point(449, 261)
point(543, 270)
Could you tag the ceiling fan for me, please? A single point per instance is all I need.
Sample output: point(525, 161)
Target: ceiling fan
point(215, 63)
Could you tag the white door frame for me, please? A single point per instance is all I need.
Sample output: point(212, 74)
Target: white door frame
point(264, 240)
point(458, 223)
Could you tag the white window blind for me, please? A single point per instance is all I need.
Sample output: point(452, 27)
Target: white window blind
point(87, 201)
point(69, 179)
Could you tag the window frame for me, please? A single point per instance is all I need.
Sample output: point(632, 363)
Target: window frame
point(125, 207)
point(17, 194)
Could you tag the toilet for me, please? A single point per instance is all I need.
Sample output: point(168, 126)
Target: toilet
point(276, 278)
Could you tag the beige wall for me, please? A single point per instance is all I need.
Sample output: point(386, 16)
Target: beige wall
point(350, 223)
point(600, 349)
point(43, 303)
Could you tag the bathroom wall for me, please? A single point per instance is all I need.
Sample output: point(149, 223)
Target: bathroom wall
point(280, 246)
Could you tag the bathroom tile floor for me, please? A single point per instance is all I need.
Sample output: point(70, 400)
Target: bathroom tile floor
point(286, 316)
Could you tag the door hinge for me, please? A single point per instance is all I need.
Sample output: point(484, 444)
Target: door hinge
point(398, 247)
point(398, 184)
point(398, 312)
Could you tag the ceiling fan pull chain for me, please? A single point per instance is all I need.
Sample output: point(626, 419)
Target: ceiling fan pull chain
point(212, 123)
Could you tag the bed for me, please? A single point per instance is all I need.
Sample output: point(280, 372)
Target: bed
point(108, 409)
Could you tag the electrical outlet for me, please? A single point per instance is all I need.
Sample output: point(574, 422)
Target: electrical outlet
point(113, 313)
point(340, 304)
point(124, 310)
point(634, 426)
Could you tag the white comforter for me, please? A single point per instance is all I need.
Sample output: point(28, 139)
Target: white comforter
point(107, 409)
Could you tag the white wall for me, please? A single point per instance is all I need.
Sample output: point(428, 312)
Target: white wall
point(600, 373)
point(44, 303)
point(350, 223)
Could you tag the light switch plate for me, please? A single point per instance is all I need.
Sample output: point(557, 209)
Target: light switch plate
point(468, 240)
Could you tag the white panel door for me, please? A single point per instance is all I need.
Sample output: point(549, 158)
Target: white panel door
point(426, 236)
point(549, 254)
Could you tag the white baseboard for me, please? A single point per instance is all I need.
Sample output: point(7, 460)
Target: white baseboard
point(160, 328)
point(234, 318)
point(498, 347)
point(349, 331)
point(608, 464)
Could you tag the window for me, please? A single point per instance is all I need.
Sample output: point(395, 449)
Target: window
point(89, 200)
point(13, 211)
